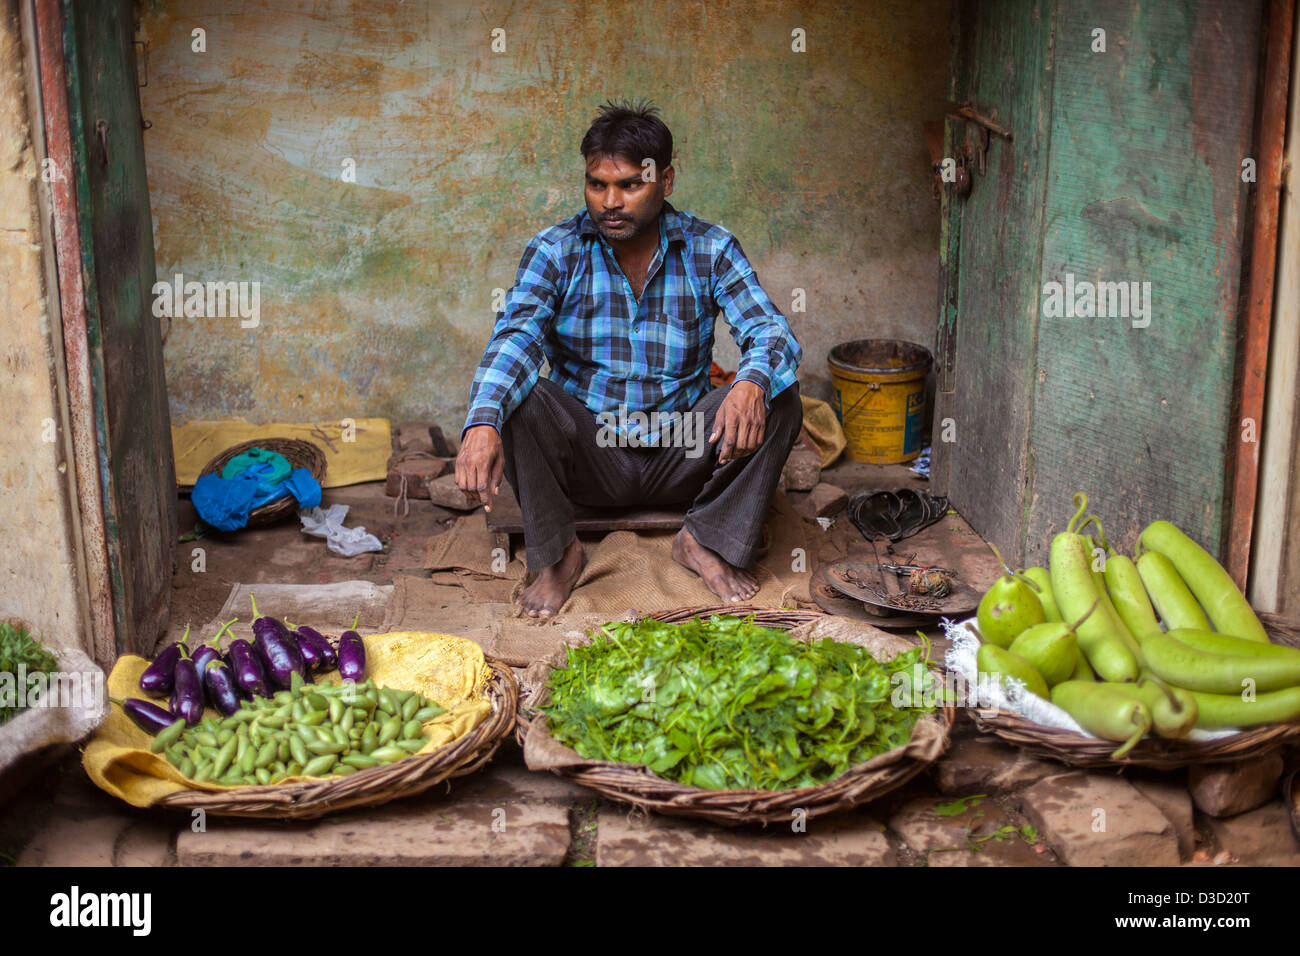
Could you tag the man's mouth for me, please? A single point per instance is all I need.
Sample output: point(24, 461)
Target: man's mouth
point(614, 222)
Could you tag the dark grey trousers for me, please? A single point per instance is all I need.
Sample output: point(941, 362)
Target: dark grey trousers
point(553, 459)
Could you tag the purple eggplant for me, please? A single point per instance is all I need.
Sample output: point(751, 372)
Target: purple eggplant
point(203, 655)
point(329, 659)
point(208, 652)
point(239, 688)
point(311, 660)
point(352, 654)
point(187, 692)
point(278, 648)
point(148, 716)
point(219, 682)
point(246, 664)
point(158, 677)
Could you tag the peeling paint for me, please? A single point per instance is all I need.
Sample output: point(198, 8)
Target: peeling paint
point(376, 294)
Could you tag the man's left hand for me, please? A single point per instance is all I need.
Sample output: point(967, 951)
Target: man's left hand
point(740, 422)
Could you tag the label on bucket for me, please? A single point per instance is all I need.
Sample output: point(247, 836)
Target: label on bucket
point(882, 423)
point(915, 422)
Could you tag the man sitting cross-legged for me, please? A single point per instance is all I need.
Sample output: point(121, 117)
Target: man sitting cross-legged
point(621, 300)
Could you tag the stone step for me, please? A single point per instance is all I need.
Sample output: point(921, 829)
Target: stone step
point(1094, 819)
point(969, 831)
point(626, 838)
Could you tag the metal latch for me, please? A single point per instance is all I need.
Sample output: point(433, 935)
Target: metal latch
point(976, 154)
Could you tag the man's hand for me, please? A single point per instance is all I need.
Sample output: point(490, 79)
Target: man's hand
point(480, 464)
point(740, 422)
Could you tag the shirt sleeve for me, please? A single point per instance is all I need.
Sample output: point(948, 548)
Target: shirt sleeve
point(770, 353)
point(516, 351)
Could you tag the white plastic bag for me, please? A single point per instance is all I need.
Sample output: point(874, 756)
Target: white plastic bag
point(1012, 695)
point(328, 524)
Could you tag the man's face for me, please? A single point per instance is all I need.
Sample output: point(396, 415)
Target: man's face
point(620, 200)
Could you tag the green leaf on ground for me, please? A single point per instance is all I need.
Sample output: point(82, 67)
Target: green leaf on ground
point(959, 806)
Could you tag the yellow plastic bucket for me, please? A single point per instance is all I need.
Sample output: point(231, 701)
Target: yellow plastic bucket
point(879, 398)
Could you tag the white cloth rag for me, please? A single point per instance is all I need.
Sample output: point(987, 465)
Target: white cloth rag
point(328, 524)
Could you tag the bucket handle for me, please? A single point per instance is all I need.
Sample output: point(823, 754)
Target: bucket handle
point(870, 387)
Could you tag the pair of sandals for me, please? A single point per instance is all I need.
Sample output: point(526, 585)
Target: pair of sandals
point(895, 514)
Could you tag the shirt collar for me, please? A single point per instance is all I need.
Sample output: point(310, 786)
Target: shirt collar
point(671, 222)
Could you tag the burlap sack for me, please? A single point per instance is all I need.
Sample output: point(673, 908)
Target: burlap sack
point(543, 752)
point(74, 705)
point(630, 569)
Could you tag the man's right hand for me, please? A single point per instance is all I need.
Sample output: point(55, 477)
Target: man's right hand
point(480, 464)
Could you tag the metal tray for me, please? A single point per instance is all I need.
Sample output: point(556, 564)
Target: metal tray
point(846, 575)
point(832, 601)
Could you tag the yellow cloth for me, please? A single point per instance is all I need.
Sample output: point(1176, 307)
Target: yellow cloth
point(194, 444)
point(448, 670)
point(823, 428)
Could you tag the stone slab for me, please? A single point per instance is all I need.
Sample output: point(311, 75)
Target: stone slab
point(982, 764)
point(1172, 799)
point(414, 832)
point(965, 832)
point(507, 780)
point(1259, 837)
point(1227, 789)
point(1093, 819)
point(144, 843)
point(823, 501)
point(68, 839)
point(627, 838)
point(803, 469)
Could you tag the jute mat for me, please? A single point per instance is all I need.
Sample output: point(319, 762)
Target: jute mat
point(421, 604)
point(627, 569)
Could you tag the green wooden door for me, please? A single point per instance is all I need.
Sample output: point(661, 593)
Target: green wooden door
point(1123, 166)
point(134, 438)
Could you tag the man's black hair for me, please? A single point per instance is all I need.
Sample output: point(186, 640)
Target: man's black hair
point(631, 131)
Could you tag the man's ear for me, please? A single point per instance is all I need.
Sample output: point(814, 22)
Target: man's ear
point(667, 176)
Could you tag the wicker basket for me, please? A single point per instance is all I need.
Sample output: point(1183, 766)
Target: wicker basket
point(402, 778)
point(301, 454)
point(1073, 749)
point(1076, 750)
point(638, 785)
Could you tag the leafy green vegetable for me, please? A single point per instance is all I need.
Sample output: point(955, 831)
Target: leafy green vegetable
point(18, 647)
point(959, 806)
point(728, 704)
point(1003, 834)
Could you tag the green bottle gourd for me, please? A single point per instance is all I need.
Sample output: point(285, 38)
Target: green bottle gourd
point(1008, 608)
point(1052, 647)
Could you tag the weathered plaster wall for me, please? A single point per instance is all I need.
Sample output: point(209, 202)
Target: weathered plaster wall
point(38, 566)
point(376, 296)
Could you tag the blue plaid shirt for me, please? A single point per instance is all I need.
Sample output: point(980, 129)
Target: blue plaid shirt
point(572, 305)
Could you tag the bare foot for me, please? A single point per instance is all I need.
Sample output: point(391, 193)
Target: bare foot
point(726, 581)
point(546, 595)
